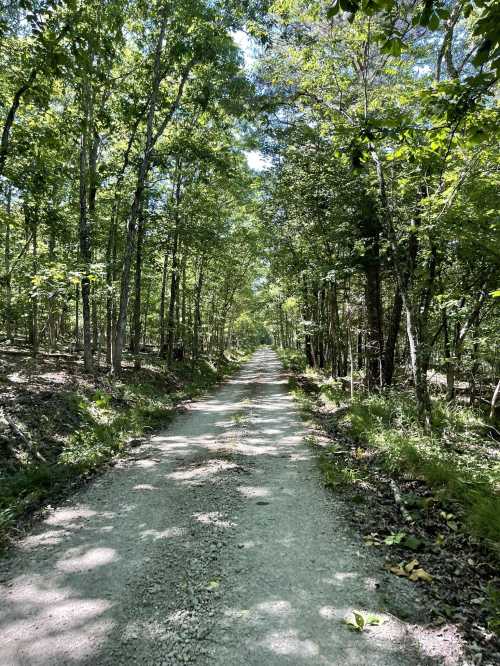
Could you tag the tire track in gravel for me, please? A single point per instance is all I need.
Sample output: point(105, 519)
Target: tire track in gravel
point(214, 544)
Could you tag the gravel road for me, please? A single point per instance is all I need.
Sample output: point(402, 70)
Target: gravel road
point(213, 544)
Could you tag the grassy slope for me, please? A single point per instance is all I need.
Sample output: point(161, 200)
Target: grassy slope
point(83, 426)
point(448, 482)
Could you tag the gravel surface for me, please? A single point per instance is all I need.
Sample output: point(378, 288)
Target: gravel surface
point(215, 543)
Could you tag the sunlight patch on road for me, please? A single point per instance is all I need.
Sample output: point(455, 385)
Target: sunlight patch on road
point(254, 491)
point(288, 643)
point(77, 561)
point(169, 533)
point(214, 518)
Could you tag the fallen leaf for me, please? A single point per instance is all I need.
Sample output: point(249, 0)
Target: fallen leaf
point(420, 574)
point(410, 566)
point(411, 570)
point(359, 621)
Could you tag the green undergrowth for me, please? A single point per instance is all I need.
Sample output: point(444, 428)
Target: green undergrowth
point(457, 461)
point(108, 418)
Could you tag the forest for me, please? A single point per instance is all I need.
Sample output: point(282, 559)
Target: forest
point(183, 182)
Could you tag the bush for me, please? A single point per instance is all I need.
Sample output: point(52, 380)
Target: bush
point(292, 359)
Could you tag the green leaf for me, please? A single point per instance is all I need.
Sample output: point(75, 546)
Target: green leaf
point(433, 23)
point(333, 10)
point(412, 542)
point(358, 621)
point(393, 539)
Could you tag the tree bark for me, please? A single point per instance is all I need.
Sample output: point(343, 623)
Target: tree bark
point(170, 337)
point(197, 309)
point(136, 322)
point(374, 342)
point(34, 332)
point(92, 194)
point(8, 276)
point(494, 400)
point(163, 295)
point(84, 230)
point(392, 338)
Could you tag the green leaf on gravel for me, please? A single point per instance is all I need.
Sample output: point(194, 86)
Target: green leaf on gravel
point(358, 621)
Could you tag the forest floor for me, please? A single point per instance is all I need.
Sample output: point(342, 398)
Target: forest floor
point(214, 542)
point(414, 498)
point(59, 426)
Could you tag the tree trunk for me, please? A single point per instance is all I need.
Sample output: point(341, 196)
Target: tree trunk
point(163, 295)
point(146, 314)
point(77, 317)
point(494, 401)
point(334, 331)
point(84, 232)
point(92, 181)
point(136, 322)
point(34, 299)
point(170, 338)
point(11, 114)
point(374, 343)
point(197, 309)
point(392, 338)
point(110, 277)
point(8, 276)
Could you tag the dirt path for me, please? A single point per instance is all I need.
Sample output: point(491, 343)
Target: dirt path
point(216, 543)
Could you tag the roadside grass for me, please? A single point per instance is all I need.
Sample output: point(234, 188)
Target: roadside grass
point(458, 461)
point(448, 484)
point(108, 418)
point(453, 460)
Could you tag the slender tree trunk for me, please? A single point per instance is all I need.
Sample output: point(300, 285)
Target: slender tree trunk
point(92, 180)
point(183, 326)
point(173, 300)
point(392, 338)
point(308, 345)
point(494, 401)
point(8, 277)
point(84, 230)
point(374, 343)
point(163, 295)
point(35, 342)
point(197, 309)
point(110, 277)
point(334, 330)
point(136, 326)
point(11, 114)
point(77, 317)
point(351, 359)
point(146, 314)
point(450, 374)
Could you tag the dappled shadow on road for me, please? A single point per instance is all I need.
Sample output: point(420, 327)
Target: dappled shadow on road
point(102, 580)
